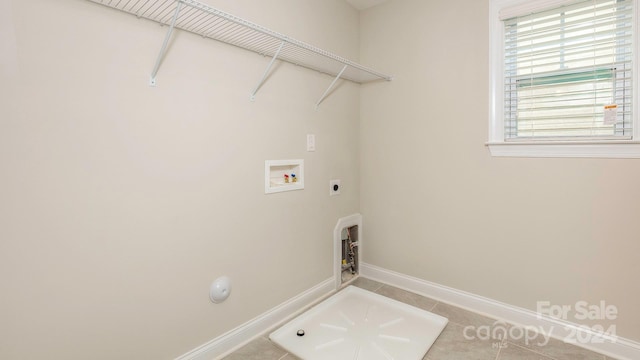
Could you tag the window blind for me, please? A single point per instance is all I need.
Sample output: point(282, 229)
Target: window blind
point(568, 72)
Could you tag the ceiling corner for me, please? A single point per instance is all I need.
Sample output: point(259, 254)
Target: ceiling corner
point(364, 4)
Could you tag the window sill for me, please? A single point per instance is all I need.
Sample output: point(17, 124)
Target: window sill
point(613, 150)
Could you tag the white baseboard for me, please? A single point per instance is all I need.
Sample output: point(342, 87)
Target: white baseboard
point(238, 337)
point(616, 347)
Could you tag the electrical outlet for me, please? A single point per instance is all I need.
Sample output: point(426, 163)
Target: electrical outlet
point(334, 187)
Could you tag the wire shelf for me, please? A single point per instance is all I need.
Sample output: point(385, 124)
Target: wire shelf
point(206, 21)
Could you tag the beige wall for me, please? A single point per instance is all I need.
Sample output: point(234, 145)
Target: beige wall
point(120, 203)
point(437, 206)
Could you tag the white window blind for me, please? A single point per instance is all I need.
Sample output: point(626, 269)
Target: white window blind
point(568, 72)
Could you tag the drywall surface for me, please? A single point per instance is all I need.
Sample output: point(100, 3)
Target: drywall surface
point(121, 203)
point(437, 206)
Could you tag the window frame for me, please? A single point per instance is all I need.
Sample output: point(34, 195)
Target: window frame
point(591, 148)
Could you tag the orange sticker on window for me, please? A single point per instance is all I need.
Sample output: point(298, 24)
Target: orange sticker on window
point(610, 114)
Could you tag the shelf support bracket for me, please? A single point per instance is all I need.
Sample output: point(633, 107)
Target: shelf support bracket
point(331, 86)
point(163, 49)
point(266, 72)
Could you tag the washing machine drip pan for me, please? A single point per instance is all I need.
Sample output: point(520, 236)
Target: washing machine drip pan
point(358, 324)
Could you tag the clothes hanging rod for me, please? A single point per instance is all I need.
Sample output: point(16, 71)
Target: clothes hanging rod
point(210, 22)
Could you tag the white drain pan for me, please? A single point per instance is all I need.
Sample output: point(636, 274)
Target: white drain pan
point(358, 324)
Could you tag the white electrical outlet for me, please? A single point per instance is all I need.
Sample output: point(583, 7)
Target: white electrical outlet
point(334, 187)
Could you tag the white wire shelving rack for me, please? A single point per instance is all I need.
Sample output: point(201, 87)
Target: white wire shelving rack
point(209, 22)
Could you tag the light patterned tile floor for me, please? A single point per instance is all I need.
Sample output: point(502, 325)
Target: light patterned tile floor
point(462, 339)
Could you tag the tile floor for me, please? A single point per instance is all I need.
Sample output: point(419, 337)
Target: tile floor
point(455, 342)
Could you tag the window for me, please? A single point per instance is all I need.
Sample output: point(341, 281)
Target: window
point(563, 78)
